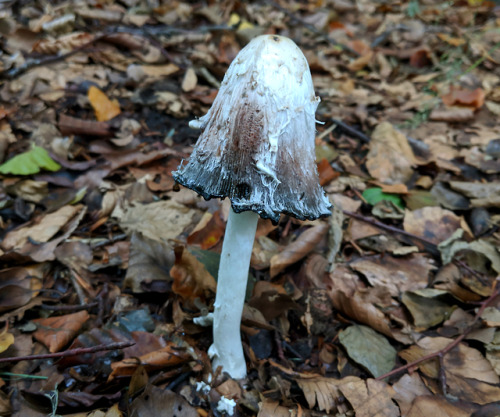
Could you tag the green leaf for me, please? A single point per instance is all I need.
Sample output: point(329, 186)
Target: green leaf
point(369, 349)
point(375, 195)
point(30, 162)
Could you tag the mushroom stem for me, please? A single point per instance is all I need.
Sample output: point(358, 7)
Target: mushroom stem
point(227, 350)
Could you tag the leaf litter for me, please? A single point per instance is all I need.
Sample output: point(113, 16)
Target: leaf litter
point(97, 247)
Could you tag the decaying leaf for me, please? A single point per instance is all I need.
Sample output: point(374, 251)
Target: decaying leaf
point(158, 359)
point(158, 221)
point(462, 361)
point(368, 348)
point(104, 108)
point(190, 277)
point(42, 230)
point(390, 158)
point(323, 391)
point(426, 405)
point(297, 250)
point(57, 332)
point(149, 265)
point(155, 401)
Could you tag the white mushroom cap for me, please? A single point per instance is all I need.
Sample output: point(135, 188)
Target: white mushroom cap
point(257, 141)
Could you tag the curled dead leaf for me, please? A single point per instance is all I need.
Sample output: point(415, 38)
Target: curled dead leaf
point(297, 250)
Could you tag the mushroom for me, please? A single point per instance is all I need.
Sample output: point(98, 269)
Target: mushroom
point(257, 149)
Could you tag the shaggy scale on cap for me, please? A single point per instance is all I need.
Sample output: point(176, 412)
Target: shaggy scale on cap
point(257, 141)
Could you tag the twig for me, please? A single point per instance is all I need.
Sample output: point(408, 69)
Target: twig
point(389, 228)
point(78, 307)
point(352, 131)
point(441, 353)
point(71, 352)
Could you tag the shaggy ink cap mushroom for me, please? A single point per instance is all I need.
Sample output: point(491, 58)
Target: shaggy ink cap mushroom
point(257, 140)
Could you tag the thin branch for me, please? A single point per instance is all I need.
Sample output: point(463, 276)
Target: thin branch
point(71, 352)
point(351, 131)
point(389, 228)
point(441, 353)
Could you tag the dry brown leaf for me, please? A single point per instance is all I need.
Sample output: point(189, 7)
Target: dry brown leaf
point(425, 406)
point(407, 389)
point(191, 279)
point(149, 265)
point(63, 44)
point(19, 285)
point(361, 62)
point(104, 108)
point(464, 97)
point(269, 408)
point(158, 221)
point(472, 390)
point(43, 228)
point(452, 115)
point(390, 158)
point(155, 401)
point(162, 358)
point(210, 233)
point(189, 81)
point(463, 361)
point(370, 398)
point(432, 223)
point(396, 275)
point(297, 250)
point(324, 391)
point(57, 332)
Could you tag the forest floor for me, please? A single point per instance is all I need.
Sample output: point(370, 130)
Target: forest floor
point(390, 307)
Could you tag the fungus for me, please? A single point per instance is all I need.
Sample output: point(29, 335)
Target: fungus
point(257, 149)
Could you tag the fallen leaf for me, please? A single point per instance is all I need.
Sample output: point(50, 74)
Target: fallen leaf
point(30, 162)
point(407, 389)
point(324, 391)
point(464, 97)
point(395, 274)
point(370, 398)
point(158, 359)
point(426, 405)
point(158, 221)
point(104, 108)
point(149, 265)
point(390, 157)
point(297, 250)
point(155, 401)
point(269, 408)
point(462, 361)
point(44, 228)
point(368, 348)
point(191, 279)
point(57, 332)
point(432, 223)
point(426, 309)
point(189, 81)
point(6, 339)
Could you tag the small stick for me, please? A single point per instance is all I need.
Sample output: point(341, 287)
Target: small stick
point(351, 130)
point(71, 352)
point(78, 307)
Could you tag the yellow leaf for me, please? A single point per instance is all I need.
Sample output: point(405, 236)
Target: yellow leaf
point(6, 339)
point(104, 108)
